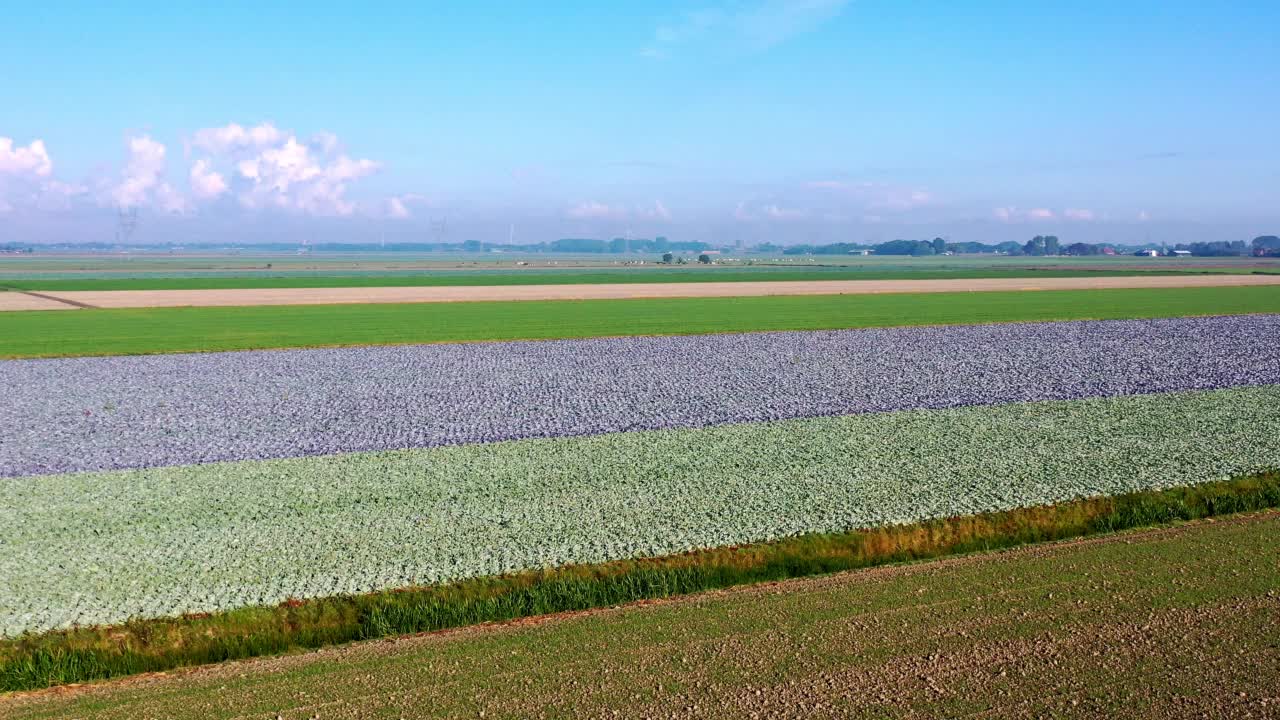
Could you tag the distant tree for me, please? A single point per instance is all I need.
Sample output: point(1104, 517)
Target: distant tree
point(705, 259)
point(905, 247)
point(939, 246)
point(472, 246)
point(1050, 244)
point(1217, 249)
point(580, 245)
point(1034, 246)
point(667, 258)
point(1082, 249)
point(1266, 245)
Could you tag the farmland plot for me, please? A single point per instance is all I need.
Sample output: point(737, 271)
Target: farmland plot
point(112, 413)
point(199, 538)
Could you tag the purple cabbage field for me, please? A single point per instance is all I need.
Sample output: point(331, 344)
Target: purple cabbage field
point(79, 414)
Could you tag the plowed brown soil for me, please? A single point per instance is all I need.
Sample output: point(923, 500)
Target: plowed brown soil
point(1169, 623)
point(332, 296)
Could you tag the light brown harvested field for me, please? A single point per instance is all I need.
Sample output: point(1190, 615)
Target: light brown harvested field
point(25, 301)
point(350, 295)
point(1167, 623)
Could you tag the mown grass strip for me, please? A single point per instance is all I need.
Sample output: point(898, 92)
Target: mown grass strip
point(165, 330)
point(267, 279)
point(99, 653)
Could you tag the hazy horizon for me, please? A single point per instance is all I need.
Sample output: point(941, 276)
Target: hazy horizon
point(784, 121)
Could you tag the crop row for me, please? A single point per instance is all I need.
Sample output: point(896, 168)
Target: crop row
point(107, 546)
point(131, 412)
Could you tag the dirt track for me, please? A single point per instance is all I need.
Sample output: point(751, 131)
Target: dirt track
point(332, 296)
point(1175, 622)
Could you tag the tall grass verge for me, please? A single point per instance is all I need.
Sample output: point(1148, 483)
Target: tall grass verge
point(85, 654)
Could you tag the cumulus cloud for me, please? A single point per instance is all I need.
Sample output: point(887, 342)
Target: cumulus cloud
point(30, 160)
point(266, 167)
point(1078, 214)
point(233, 137)
point(1013, 214)
point(26, 179)
point(397, 209)
point(142, 182)
point(205, 182)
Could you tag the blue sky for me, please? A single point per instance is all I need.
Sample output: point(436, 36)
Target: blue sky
point(791, 121)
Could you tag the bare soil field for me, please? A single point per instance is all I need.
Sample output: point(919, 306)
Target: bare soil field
point(352, 295)
point(1167, 623)
point(26, 301)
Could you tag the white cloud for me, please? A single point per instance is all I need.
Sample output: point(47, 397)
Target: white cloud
point(142, 181)
point(1143, 216)
point(266, 167)
point(752, 26)
point(57, 195)
point(205, 182)
point(1013, 214)
point(26, 179)
point(235, 137)
point(397, 209)
point(30, 160)
point(1078, 214)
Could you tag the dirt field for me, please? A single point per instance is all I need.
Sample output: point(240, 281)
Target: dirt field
point(331, 296)
point(1177, 622)
point(26, 301)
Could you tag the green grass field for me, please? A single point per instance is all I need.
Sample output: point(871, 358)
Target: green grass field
point(268, 279)
point(140, 331)
point(1174, 622)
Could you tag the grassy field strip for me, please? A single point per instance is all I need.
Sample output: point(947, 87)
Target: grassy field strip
point(116, 299)
point(1139, 624)
point(264, 278)
point(163, 330)
point(133, 543)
